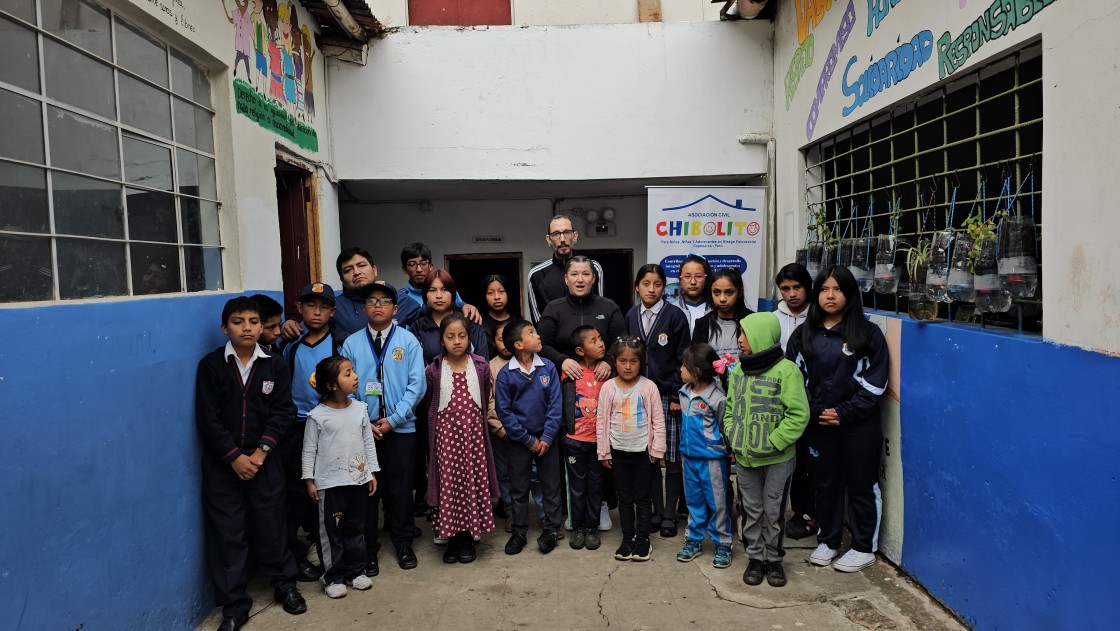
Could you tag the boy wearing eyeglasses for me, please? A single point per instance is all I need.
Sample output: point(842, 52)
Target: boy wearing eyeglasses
point(390, 365)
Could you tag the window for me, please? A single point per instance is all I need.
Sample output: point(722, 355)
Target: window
point(107, 170)
point(969, 138)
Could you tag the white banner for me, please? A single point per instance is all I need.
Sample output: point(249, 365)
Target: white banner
point(724, 224)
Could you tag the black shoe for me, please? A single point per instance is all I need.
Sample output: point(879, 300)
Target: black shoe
point(406, 558)
point(547, 542)
point(308, 573)
point(642, 549)
point(372, 568)
point(801, 526)
point(668, 529)
point(626, 550)
point(775, 574)
point(591, 539)
point(654, 524)
point(753, 574)
point(578, 540)
point(291, 600)
point(515, 544)
point(466, 550)
point(451, 552)
point(233, 623)
point(414, 532)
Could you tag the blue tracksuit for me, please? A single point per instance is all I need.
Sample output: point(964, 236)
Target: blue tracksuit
point(706, 466)
point(400, 371)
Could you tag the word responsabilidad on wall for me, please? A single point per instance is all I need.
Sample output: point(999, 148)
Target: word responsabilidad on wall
point(893, 68)
point(847, 23)
point(251, 104)
point(877, 12)
point(802, 59)
point(1000, 18)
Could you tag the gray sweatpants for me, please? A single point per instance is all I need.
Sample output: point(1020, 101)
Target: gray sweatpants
point(762, 497)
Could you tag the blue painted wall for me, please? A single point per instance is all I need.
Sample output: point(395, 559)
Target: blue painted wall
point(102, 522)
point(1011, 452)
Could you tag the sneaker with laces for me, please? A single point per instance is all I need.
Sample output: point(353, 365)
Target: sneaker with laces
point(823, 555)
point(753, 574)
point(361, 582)
point(335, 590)
point(854, 561)
point(722, 559)
point(642, 549)
point(547, 542)
point(578, 540)
point(625, 550)
point(591, 539)
point(605, 523)
point(690, 551)
point(775, 574)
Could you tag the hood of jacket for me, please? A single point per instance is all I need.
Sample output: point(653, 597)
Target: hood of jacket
point(762, 330)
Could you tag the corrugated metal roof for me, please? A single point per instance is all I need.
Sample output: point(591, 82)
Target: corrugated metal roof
point(329, 26)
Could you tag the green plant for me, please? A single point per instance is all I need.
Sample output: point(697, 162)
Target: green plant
point(819, 227)
point(982, 231)
point(917, 256)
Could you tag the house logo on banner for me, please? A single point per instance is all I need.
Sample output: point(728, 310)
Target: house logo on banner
point(725, 225)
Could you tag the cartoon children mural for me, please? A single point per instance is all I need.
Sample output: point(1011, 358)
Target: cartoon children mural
point(277, 53)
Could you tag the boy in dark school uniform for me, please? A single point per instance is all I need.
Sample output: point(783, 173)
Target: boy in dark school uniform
point(243, 406)
point(271, 314)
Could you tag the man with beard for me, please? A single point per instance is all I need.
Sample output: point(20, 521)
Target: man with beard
point(546, 281)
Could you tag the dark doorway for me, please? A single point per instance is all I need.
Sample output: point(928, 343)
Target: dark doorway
point(469, 270)
point(618, 273)
point(295, 207)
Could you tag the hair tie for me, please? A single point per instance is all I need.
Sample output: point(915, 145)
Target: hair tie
point(725, 363)
point(311, 380)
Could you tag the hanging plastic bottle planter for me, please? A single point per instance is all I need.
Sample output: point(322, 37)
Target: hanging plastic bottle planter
point(990, 296)
point(937, 275)
point(846, 248)
point(1018, 268)
point(886, 272)
point(959, 283)
point(801, 256)
point(919, 304)
point(813, 259)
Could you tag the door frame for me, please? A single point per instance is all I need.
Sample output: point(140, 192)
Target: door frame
point(520, 256)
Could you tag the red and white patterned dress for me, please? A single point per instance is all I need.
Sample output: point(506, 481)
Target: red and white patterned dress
point(460, 450)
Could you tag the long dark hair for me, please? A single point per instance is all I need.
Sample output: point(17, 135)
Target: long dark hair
point(326, 375)
point(853, 327)
point(741, 309)
point(511, 307)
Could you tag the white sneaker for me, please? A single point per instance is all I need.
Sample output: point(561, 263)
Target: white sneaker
point(335, 590)
point(313, 555)
point(823, 555)
point(605, 518)
point(568, 523)
point(854, 561)
point(361, 582)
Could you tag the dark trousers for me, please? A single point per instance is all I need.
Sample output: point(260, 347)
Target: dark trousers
point(585, 483)
point(342, 521)
point(301, 511)
point(520, 461)
point(801, 492)
point(396, 454)
point(231, 505)
point(420, 461)
point(632, 473)
point(846, 461)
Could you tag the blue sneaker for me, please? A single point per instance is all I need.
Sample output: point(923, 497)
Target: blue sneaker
point(722, 558)
point(690, 551)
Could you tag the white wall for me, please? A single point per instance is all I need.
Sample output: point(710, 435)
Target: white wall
point(583, 102)
point(1080, 289)
point(549, 12)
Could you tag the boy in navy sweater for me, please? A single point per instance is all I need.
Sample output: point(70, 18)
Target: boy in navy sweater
point(243, 407)
point(528, 401)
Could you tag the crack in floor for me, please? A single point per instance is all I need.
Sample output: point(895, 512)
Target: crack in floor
point(602, 589)
point(719, 596)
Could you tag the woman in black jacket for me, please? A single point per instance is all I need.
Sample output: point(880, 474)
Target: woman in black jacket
point(580, 307)
point(844, 360)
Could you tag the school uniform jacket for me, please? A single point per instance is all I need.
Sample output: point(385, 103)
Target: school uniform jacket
point(836, 378)
point(350, 314)
point(234, 419)
point(402, 380)
point(665, 345)
point(702, 422)
point(529, 406)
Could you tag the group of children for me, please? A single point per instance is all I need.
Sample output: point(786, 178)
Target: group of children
point(669, 410)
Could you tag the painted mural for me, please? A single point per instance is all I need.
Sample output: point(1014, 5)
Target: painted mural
point(272, 68)
point(998, 19)
point(847, 23)
point(890, 69)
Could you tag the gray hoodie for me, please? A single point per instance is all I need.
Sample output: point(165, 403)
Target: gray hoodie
point(789, 321)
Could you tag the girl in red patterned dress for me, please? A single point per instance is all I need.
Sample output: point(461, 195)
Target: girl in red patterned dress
point(461, 475)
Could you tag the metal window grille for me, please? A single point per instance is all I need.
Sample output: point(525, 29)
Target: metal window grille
point(168, 238)
point(966, 138)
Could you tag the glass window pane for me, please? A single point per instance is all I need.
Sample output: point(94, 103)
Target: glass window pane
point(151, 216)
point(155, 269)
point(204, 268)
point(147, 163)
point(141, 54)
point(78, 79)
point(21, 134)
point(82, 144)
point(79, 22)
point(189, 79)
point(87, 207)
point(145, 107)
point(25, 268)
point(23, 9)
point(194, 126)
point(196, 175)
point(20, 53)
point(200, 221)
point(87, 269)
point(24, 193)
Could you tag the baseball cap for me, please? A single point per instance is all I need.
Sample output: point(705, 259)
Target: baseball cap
point(317, 290)
point(380, 287)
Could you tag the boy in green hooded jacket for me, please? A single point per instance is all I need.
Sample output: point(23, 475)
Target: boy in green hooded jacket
point(767, 410)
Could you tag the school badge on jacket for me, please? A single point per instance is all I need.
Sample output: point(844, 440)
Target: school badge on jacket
point(266, 387)
point(544, 380)
point(398, 354)
point(663, 339)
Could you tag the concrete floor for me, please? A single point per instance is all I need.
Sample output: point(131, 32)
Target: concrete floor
point(581, 589)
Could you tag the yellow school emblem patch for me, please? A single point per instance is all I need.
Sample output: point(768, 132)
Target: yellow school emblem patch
point(398, 354)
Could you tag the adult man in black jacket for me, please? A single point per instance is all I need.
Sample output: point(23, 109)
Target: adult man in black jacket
point(546, 281)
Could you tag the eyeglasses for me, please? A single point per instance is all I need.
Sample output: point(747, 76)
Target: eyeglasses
point(556, 234)
point(631, 342)
point(373, 302)
point(417, 264)
point(692, 277)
